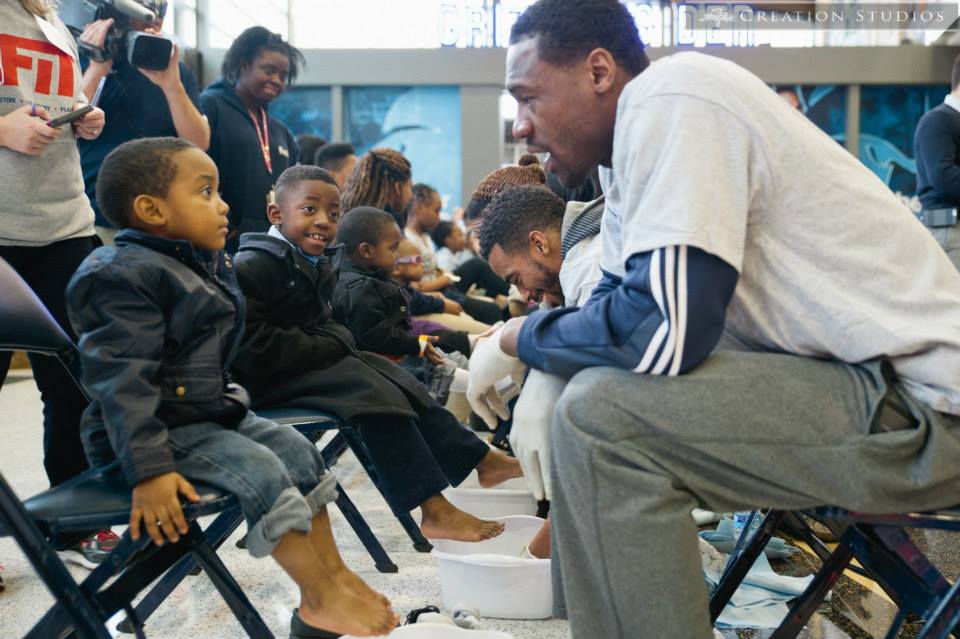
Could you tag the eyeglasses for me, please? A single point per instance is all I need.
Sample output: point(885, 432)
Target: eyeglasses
point(410, 259)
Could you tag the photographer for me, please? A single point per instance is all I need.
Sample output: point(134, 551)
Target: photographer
point(139, 103)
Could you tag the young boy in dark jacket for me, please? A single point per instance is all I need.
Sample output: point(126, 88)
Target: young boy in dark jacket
point(295, 353)
point(160, 317)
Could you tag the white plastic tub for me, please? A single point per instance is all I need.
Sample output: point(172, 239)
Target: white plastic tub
point(491, 577)
point(512, 497)
point(440, 631)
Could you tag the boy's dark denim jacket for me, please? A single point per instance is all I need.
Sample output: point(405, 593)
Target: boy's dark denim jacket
point(159, 324)
point(375, 310)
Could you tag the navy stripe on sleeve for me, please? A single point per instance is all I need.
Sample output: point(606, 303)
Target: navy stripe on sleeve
point(663, 318)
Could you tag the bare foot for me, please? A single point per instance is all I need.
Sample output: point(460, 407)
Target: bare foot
point(442, 520)
point(352, 582)
point(340, 611)
point(497, 467)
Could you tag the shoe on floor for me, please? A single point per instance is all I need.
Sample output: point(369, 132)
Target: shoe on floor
point(91, 552)
point(300, 630)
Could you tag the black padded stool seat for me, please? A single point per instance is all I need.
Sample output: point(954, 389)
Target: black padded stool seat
point(292, 416)
point(101, 499)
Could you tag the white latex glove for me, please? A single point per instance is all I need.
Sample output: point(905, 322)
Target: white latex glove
point(488, 365)
point(530, 434)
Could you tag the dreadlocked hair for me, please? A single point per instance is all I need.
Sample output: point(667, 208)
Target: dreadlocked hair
point(376, 173)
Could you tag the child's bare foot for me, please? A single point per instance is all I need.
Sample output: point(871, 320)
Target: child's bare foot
point(338, 610)
point(443, 520)
point(352, 582)
point(497, 467)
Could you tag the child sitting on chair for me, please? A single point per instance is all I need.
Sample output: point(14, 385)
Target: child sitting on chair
point(408, 272)
point(295, 353)
point(160, 317)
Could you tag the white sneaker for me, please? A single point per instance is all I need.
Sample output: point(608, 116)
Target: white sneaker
point(717, 634)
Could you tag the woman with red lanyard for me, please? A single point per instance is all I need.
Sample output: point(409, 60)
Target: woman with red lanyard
point(251, 149)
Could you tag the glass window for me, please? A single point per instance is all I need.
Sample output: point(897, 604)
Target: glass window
point(305, 110)
point(228, 19)
point(888, 119)
point(421, 122)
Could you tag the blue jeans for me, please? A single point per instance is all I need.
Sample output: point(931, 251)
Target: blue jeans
point(276, 473)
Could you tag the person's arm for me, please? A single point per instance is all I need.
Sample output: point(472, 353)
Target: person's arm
point(663, 318)
point(121, 327)
point(434, 285)
point(181, 94)
point(267, 346)
point(421, 304)
point(938, 144)
point(95, 34)
point(26, 133)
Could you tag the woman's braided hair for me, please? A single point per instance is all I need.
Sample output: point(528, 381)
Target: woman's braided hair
point(375, 174)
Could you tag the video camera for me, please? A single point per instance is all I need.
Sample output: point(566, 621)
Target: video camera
point(143, 50)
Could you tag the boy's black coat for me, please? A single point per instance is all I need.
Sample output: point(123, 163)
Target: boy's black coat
point(375, 310)
point(294, 353)
point(159, 325)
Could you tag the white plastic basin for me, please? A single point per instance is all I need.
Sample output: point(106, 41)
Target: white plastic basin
point(512, 497)
point(440, 631)
point(491, 577)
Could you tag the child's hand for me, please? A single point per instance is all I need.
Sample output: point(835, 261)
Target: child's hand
point(432, 354)
point(449, 306)
point(156, 501)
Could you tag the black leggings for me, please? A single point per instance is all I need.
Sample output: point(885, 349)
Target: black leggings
point(418, 458)
point(47, 269)
point(478, 271)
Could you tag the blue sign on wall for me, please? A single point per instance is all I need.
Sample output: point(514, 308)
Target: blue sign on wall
point(305, 110)
point(421, 122)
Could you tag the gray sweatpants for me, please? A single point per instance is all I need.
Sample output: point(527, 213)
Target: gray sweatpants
point(634, 454)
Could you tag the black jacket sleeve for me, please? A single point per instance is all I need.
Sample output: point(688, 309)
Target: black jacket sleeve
point(938, 143)
point(421, 304)
point(121, 326)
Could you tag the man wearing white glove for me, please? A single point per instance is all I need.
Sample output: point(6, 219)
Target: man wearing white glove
point(489, 365)
point(550, 252)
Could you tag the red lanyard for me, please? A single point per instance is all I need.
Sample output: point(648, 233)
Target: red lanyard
point(264, 137)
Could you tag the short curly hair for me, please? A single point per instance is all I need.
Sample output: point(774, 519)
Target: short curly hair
point(296, 174)
point(516, 212)
point(570, 29)
point(249, 44)
point(135, 168)
point(363, 224)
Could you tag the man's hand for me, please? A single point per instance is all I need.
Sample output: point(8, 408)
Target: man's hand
point(91, 125)
point(156, 501)
point(169, 78)
point(488, 365)
point(431, 353)
point(449, 306)
point(25, 130)
point(511, 335)
point(95, 34)
point(530, 435)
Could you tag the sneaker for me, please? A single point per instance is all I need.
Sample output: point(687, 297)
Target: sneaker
point(91, 552)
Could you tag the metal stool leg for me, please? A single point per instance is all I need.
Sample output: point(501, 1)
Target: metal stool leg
point(45, 561)
point(420, 543)
point(229, 589)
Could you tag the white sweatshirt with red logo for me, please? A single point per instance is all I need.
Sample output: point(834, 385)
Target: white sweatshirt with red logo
point(42, 199)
